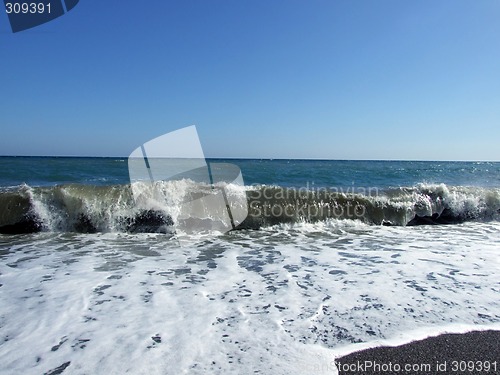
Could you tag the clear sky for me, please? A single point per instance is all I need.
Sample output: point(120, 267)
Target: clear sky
point(332, 79)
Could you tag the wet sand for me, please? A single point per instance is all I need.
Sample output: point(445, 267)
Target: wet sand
point(475, 352)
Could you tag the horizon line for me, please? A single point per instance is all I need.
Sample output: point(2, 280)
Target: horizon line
point(262, 158)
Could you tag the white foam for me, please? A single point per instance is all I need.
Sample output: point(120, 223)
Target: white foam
point(282, 300)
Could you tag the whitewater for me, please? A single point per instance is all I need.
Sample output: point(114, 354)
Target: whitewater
point(90, 283)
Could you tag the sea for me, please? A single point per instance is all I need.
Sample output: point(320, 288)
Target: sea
point(334, 256)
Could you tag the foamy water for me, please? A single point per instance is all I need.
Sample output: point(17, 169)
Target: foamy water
point(286, 299)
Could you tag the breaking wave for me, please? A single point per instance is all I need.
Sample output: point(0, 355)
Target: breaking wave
point(90, 208)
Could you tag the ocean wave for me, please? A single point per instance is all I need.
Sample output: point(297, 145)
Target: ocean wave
point(92, 208)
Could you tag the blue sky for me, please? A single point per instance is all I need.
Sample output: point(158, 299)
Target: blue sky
point(260, 79)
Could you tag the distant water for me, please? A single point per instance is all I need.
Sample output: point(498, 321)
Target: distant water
point(43, 171)
point(334, 256)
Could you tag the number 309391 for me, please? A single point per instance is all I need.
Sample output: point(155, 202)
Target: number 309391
point(25, 8)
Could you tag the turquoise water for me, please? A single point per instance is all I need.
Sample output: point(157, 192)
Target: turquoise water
point(42, 171)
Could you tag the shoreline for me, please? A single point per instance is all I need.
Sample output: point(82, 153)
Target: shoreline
point(475, 352)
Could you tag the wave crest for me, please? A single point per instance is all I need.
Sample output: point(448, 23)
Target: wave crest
point(89, 208)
